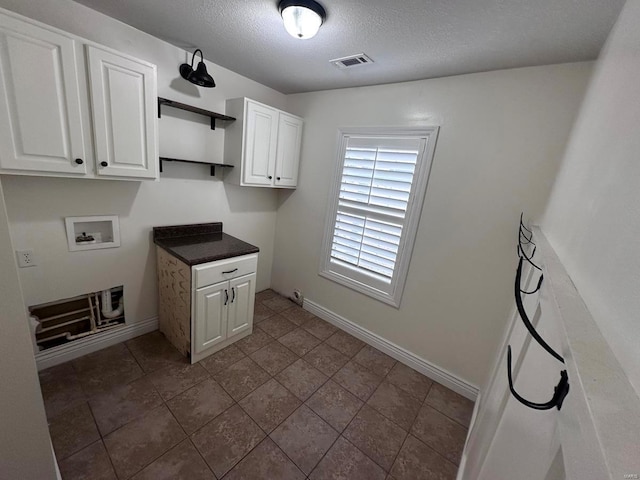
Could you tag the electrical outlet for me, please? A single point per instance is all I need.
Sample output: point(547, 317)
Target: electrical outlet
point(26, 258)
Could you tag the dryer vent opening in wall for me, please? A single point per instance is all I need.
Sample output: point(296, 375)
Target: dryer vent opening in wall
point(63, 321)
point(351, 61)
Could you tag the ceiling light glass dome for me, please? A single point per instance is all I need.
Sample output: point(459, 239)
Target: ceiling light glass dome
point(302, 18)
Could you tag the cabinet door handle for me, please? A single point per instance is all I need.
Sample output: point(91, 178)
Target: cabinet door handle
point(226, 296)
point(277, 178)
point(270, 177)
point(104, 164)
point(79, 161)
point(233, 294)
point(230, 271)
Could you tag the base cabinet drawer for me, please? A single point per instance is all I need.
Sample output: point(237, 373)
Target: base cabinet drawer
point(214, 272)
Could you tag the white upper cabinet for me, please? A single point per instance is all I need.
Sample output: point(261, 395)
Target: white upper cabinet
point(263, 145)
point(49, 91)
point(124, 103)
point(40, 114)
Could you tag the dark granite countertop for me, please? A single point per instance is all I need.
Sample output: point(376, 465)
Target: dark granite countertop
point(200, 243)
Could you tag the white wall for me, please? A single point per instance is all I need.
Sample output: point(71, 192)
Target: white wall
point(593, 217)
point(25, 448)
point(185, 194)
point(501, 139)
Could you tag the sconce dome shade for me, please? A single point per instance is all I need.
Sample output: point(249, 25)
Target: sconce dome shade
point(199, 76)
point(302, 18)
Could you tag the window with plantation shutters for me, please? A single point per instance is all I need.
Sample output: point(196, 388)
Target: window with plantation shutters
point(375, 205)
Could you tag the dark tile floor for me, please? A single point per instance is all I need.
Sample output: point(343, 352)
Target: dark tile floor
point(296, 399)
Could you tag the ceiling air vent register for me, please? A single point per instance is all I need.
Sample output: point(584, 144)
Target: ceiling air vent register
point(351, 61)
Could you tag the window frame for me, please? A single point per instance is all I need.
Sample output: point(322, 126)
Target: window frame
point(352, 277)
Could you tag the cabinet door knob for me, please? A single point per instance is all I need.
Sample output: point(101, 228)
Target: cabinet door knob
point(79, 161)
point(104, 164)
point(270, 177)
point(277, 178)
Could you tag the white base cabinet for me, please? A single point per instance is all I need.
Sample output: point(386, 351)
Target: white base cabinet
point(222, 311)
point(204, 308)
point(72, 108)
point(263, 144)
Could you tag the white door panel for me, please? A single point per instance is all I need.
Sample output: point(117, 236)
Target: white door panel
point(243, 291)
point(211, 316)
point(40, 113)
point(260, 144)
point(288, 154)
point(123, 98)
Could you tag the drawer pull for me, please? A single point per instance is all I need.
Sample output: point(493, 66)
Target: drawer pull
point(230, 271)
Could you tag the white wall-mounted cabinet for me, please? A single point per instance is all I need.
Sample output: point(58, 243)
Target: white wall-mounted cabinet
point(59, 92)
point(263, 145)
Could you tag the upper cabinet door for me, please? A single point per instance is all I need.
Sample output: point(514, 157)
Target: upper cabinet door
point(261, 136)
point(124, 106)
point(288, 155)
point(40, 109)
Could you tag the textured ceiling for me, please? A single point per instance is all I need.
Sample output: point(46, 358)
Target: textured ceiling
point(407, 39)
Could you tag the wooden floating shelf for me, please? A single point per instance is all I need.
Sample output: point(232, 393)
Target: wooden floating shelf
point(212, 165)
point(201, 111)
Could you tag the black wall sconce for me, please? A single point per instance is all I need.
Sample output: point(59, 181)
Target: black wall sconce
point(199, 76)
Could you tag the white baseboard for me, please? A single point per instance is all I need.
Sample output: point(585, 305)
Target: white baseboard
point(404, 356)
point(64, 353)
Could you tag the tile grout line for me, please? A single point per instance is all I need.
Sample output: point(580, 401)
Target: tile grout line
point(302, 403)
point(438, 410)
point(188, 437)
point(341, 434)
point(210, 375)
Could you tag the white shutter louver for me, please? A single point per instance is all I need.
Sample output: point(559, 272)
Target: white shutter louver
point(375, 187)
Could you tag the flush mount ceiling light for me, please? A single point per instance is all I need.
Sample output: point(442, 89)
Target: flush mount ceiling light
point(199, 76)
point(302, 18)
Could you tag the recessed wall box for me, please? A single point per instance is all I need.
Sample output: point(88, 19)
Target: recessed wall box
point(92, 233)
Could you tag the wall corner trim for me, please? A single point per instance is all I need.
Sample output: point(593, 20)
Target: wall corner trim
point(428, 369)
point(64, 353)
